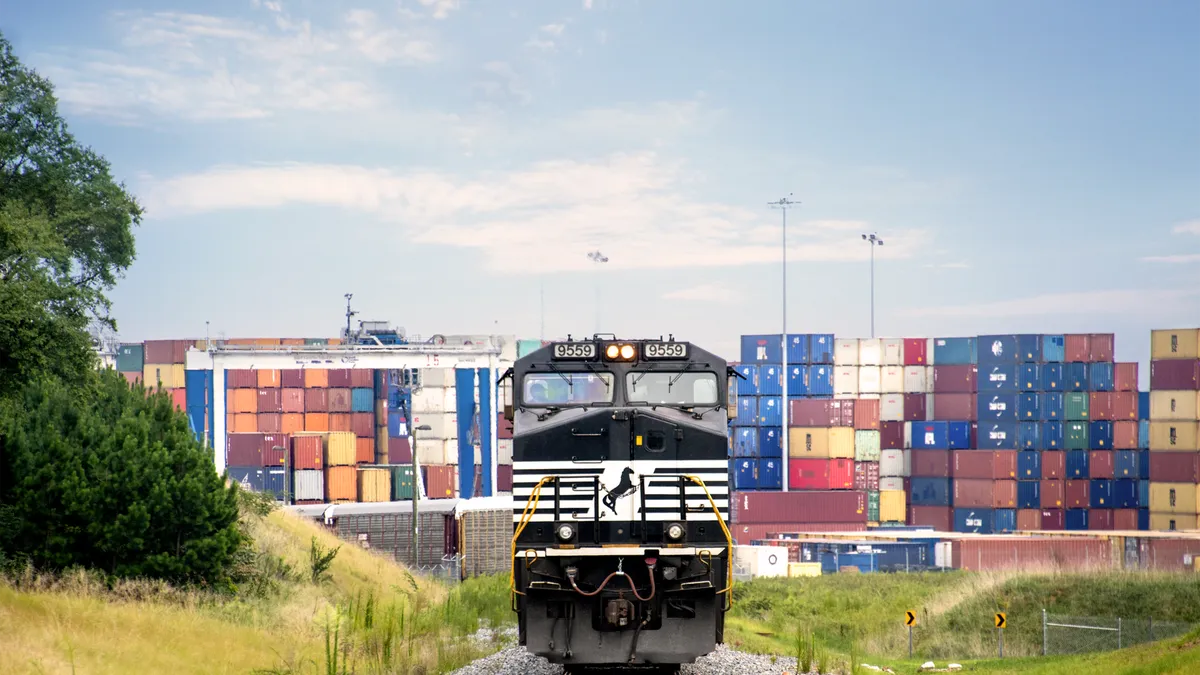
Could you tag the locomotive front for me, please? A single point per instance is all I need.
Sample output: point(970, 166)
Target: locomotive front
point(621, 548)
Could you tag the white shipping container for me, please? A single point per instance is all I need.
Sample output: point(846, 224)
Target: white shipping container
point(893, 351)
point(442, 378)
point(870, 352)
point(434, 400)
point(892, 379)
point(929, 407)
point(762, 561)
point(895, 463)
point(442, 426)
point(908, 434)
point(845, 380)
point(891, 483)
point(891, 408)
point(308, 484)
point(432, 451)
point(504, 448)
point(916, 380)
point(868, 380)
point(942, 554)
point(929, 352)
point(845, 352)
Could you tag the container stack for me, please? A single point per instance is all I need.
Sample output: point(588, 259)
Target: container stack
point(934, 437)
point(163, 367)
point(131, 360)
point(435, 404)
point(1174, 429)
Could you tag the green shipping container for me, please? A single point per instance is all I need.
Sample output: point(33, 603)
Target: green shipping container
point(316, 341)
point(402, 482)
point(1075, 406)
point(1075, 435)
point(866, 446)
point(527, 347)
point(131, 358)
point(873, 506)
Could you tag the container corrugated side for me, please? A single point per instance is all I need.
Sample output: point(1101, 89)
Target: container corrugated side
point(374, 485)
point(1175, 343)
point(1174, 436)
point(1174, 498)
point(341, 483)
point(1017, 553)
point(308, 484)
point(1178, 374)
point(796, 507)
point(1169, 404)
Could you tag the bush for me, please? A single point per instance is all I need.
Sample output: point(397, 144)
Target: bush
point(104, 476)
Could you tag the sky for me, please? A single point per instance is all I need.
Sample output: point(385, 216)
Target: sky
point(1030, 167)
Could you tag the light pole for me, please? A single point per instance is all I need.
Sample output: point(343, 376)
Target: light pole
point(416, 495)
point(874, 241)
point(598, 258)
point(783, 204)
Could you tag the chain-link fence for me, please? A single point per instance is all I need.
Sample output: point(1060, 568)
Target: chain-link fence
point(1064, 634)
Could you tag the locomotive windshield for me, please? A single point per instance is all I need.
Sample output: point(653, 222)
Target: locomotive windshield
point(671, 388)
point(559, 389)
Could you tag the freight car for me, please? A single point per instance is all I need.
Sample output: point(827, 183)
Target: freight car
point(621, 551)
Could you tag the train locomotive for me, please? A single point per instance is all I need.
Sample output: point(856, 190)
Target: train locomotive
point(621, 544)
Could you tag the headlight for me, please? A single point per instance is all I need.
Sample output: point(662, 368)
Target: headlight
point(565, 532)
point(675, 531)
point(613, 351)
point(627, 351)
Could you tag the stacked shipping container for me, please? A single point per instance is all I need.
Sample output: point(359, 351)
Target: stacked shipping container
point(1174, 429)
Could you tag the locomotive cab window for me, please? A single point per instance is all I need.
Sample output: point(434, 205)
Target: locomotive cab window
point(663, 387)
point(563, 389)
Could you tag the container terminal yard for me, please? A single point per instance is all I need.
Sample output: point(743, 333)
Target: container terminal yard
point(982, 452)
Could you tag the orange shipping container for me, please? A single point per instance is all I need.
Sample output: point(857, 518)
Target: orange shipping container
point(362, 377)
point(440, 480)
point(866, 414)
point(179, 398)
point(242, 400)
point(270, 423)
point(334, 341)
point(308, 452)
point(339, 421)
point(364, 450)
point(316, 421)
point(292, 400)
point(341, 483)
point(268, 379)
point(266, 342)
point(292, 342)
point(340, 401)
point(244, 423)
point(291, 422)
point(316, 378)
point(133, 378)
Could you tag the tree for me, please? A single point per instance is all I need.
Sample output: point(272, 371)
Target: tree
point(109, 478)
point(65, 234)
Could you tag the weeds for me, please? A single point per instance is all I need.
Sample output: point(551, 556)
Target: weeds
point(320, 560)
point(805, 648)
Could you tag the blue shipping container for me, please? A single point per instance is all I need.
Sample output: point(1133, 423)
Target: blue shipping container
point(1077, 464)
point(131, 358)
point(770, 442)
point(1144, 519)
point(1125, 494)
point(197, 384)
point(998, 349)
point(362, 400)
point(1143, 464)
point(745, 442)
point(1100, 377)
point(1052, 435)
point(930, 491)
point(1126, 465)
point(979, 521)
point(1054, 348)
point(1143, 405)
point(929, 435)
point(1075, 377)
point(1053, 406)
point(770, 380)
point(998, 436)
point(1030, 348)
point(958, 435)
point(1144, 492)
point(770, 474)
point(1029, 493)
point(762, 348)
point(1004, 520)
point(744, 471)
point(395, 420)
point(1143, 434)
point(1029, 377)
point(1053, 377)
point(820, 348)
point(820, 380)
point(1077, 519)
point(249, 477)
point(954, 351)
point(1029, 467)
point(996, 408)
point(748, 386)
point(797, 381)
point(998, 379)
point(274, 482)
point(747, 414)
point(1100, 435)
point(797, 348)
point(770, 411)
point(1101, 493)
point(1029, 407)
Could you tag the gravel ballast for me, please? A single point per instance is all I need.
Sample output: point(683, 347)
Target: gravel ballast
point(723, 661)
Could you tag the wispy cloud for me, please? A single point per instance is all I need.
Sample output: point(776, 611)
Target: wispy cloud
point(947, 266)
point(1123, 302)
point(440, 9)
point(1187, 227)
point(704, 293)
point(538, 219)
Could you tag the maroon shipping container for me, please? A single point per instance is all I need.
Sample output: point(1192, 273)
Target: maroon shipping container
point(340, 378)
point(1100, 519)
point(1052, 494)
point(504, 428)
point(1022, 553)
point(504, 478)
point(1101, 347)
point(1004, 494)
point(841, 413)
point(1169, 554)
point(940, 518)
point(820, 474)
point(1100, 405)
point(807, 412)
point(866, 414)
point(1175, 467)
point(891, 435)
point(1054, 464)
point(1123, 519)
point(241, 379)
point(1005, 464)
point(915, 408)
point(339, 400)
point(1076, 492)
point(166, 351)
point(792, 507)
point(363, 424)
point(292, 378)
point(362, 378)
point(974, 464)
point(1180, 374)
point(270, 401)
point(915, 351)
point(243, 449)
point(1054, 519)
point(1124, 405)
point(866, 475)
point(316, 400)
point(954, 379)
point(1029, 519)
point(973, 493)
point(1100, 463)
point(1125, 435)
point(744, 533)
point(291, 400)
point(269, 423)
point(1125, 377)
point(1078, 348)
point(441, 481)
point(308, 452)
point(399, 450)
point(959, 407)
point(931, 463)
point(275, 448)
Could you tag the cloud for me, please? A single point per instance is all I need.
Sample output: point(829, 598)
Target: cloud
point(1190, 227)
point(634, 207)
point(554, 28)
point(947, 266)
point(383, 45)
point(504, 82)
point(704, 293)
point(441, 8)
point(587, 4)
point(1124, 302)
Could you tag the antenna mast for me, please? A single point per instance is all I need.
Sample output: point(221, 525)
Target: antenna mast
point(349, 313)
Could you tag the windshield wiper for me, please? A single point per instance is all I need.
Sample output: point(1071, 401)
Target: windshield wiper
point(597, 374)
point(560, 373)
point(649, 369)
point(676, 378)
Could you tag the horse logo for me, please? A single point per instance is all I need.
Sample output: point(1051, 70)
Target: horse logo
point(623, 488)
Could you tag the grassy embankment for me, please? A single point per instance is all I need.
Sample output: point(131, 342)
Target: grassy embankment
point(366, 612)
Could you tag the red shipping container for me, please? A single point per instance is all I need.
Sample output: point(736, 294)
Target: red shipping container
point(292, 400)
point(339, 421)
point(308, 452)
point(1125, 435)
point(1125, 376)
point(931, 463)
point(891, 435)
point(1054, 519)
point(1076, 492)
point(1125, 405)
point(1175, 467)
point(1006, 553)
point(504, 428)
point(1052, 494)
point(270, 400)
point(179, 398)
point(976, 464)
point(504, 478)
point(1123, 519)
point(399, 450)
point(973, 493)
point(1100, 405)
point(1100, 463)
point(339, 400)
point(243, 449)
point(789, 507)
point(241, 379)
point(292, 379)
point(939, 518)
point(340, 378)
point(1004, 494)
point(1005, 464)
point(1029, 519)
point(440, 480)
point(316, 400)
point(362, 378)
point(744, 533)
point(1078, 348)
point(271, 423)
point(1178, 374)
point(132, 377)
point(362, 424)
point(914, 351)
point(1054, 464)
point(821, 474)
point(364, 450)
point(866, 414)
point(1170, 554)
point(807, 412)
point(1100, 519)
point(956, 407)
point(954, 379)
point(914, 408)
point(1101, 347)
point(166, 351)
point(841, 413)
point(866, 475)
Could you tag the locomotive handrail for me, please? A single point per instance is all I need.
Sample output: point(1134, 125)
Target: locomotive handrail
point(728, 590)
point(531, 505)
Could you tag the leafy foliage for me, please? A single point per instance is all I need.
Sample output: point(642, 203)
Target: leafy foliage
point(320, 560)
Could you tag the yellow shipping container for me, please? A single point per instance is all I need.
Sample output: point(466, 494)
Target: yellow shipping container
point(804, 569)
point(1175, 343)
point(1168, 404)
point(165, 375)
point(810, 443)
point(893, 506)
point(341, 448)
point(841, 443)
point(1173, 498)
point(374, 485)
point(1165, 522)
point(1174, 436)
